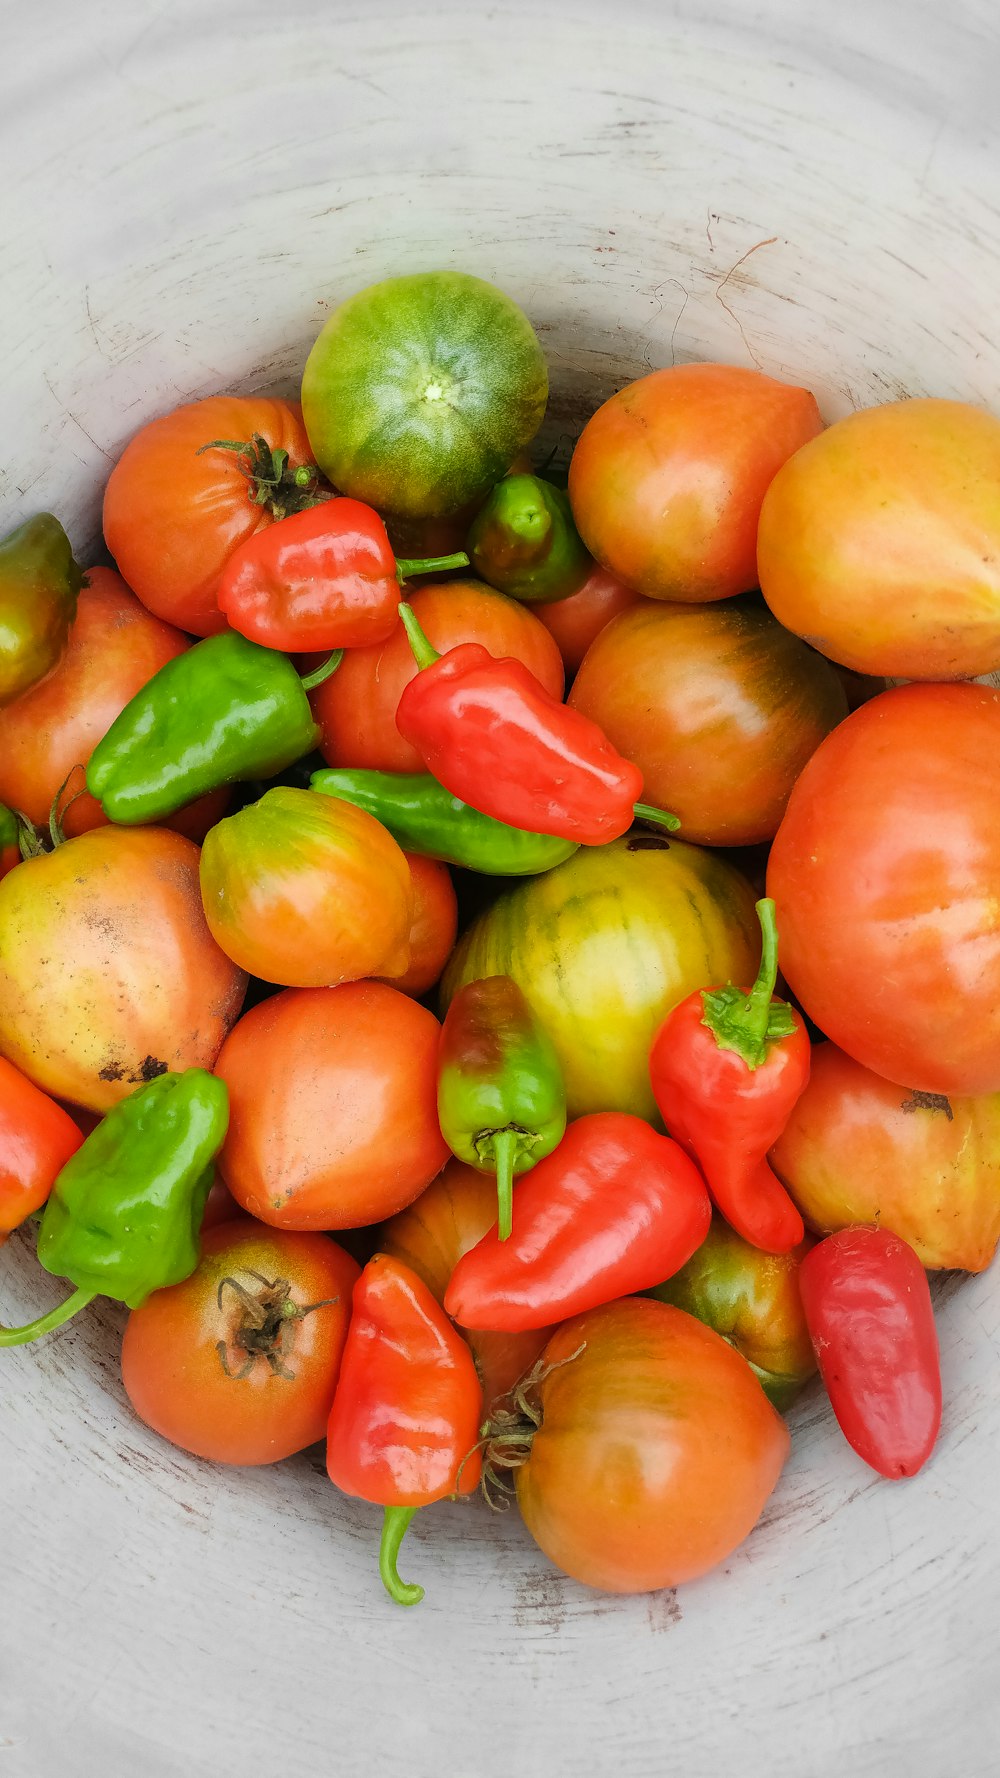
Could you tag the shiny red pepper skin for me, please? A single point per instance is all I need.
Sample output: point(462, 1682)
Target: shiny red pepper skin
point(868, 1309)
point(36, 1140)
point(614, 1209)
point(319, 579)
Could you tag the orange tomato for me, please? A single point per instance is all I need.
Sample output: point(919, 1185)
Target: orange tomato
point(667, 478)
point(333, 1106)
point(434, 925)
point(356, 709)
point(576, 621)
point(36, 1140)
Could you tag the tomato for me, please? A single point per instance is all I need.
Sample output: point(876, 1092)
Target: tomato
point(421, 390)
point(858, 1149)
point(433, 925)
point(173, 514)
point(108, 972)
point(885, 874)
point(240, 1362)
point(576, 621)
point(333, 1106)
point(880, 541)
point(37, 1138)
point(356, 709)
point(307, 890)
point(717, 705)
point(667, 479)
point(604, 946)
point(220, 1205)
point(656, 1450)
point(449, 1218)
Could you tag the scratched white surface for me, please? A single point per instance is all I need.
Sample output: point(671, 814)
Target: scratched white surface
point(807, 187)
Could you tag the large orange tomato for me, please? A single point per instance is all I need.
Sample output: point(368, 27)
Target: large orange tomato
point(576, 621)
point(717, 705)
point(433, 926)
point(333, 1106)
point(356, 709)
point(886, 876)
point(667, 479)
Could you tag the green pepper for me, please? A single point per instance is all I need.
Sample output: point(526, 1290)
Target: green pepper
point(225, 711)
point(524, 542)
point(501, 1098)
point(125, 1211)
point(39, 584)
point(424, 817)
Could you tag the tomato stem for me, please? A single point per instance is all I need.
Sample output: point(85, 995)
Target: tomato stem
point(33, 1330)
point(395, 1522)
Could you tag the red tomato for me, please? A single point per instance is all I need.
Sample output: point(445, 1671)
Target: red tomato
point(333, 1106)
point(172, 516)
point(433, 926)
point(576, 621)
point(240, 1362)
point(36, 1140)
point(667, 479)
point(885, 874)
point(220, 1206)
point(356, 709)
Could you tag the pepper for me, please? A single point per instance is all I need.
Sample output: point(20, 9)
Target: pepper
point(39, 584)
point(404, 1425)
point(501, 1098)
point(868, 1308)
point(124, 1213)
point(36, 1139)
point(10, 840)
point(524, 542)
point(319, 579)
point(225, 711)
point(492, 735)
point(726, 1068)
point(614, 1209)
point(424, 817)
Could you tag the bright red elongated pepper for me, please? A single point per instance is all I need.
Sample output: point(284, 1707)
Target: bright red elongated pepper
point(404, 1425)
point(614, 1209)
point(36, 1140)
point(868, 1309)
point(726, 1068)
point(319, 579)
point(493, 736)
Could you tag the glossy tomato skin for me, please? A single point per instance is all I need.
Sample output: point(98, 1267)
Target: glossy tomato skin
point(657, 1449)
point(667, 478)
point(433, 925)
point(884, 874)
point(356, 708)
point(37, 1138)
point(575, 622)
point(333, 1106)
point(173, 517)
point(108, 972)
point(176, 1379)
point(717, 705)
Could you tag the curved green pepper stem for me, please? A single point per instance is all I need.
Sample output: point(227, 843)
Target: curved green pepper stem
point(659, 817)
point(323, 671)
point(751, 1023)
point(505, 1145)
point(407, 565)
point(394, 1526)
point(424, 652)
point(33, 1330)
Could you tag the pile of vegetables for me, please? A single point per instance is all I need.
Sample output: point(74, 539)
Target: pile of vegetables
point(401, 1041)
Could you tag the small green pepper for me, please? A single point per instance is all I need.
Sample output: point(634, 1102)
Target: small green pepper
point(125, 1211)
point(424, 817)
point(524, 542)
point(501, 1098)
point(39, 584)
point(225, 711)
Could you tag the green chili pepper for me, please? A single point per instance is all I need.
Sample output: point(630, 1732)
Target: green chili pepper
point(424, 817)
point(125, 1211)
point(39, 583)
point(501, 1099)
point(225, 711)
point(524, 542)
point(9, 829)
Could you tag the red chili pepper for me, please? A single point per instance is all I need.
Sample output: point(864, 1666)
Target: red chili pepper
point(726, 1068)
point(36, 1140)
point(868, 1309)
point(319, 579)
point(493, 736)
point(614, 1209)
point(404, 1425)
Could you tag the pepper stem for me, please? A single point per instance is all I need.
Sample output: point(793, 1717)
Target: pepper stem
point(505, 1145)
point(323, 672)
point(659, 817)
point(394, 1526)
point(33, 1330)
point(424, 652)
point(751, 1023)
point(407, 565)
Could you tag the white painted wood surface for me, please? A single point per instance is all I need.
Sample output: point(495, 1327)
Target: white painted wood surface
point(810, 188)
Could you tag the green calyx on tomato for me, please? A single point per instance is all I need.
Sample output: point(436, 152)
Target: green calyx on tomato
point(270, 482)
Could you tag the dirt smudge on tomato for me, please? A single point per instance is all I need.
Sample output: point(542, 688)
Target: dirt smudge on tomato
point(917, 1101)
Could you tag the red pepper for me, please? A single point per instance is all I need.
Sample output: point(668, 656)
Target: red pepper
point(726, 1068)
point(494, 737)
point(319, 579)
point(404, 1425)
point(614, 1209)
point(868, 1309)
point(36, 1140)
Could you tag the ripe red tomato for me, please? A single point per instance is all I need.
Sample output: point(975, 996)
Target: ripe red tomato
point(37, 1138)
point(576, 621)
point(240, 1362)
point(885, 875)
point(433, 926)
point(173, 513)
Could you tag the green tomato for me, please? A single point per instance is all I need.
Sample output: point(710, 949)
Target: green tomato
point(420, 392)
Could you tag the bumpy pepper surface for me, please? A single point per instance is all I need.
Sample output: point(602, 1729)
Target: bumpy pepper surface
point(39, 583)
point(525, 543)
